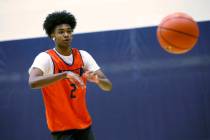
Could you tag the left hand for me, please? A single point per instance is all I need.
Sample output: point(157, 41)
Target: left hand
point(92, 76)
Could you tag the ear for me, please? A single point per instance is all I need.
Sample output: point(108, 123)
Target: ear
point(52, 36)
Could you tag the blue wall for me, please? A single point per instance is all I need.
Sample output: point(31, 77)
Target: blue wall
point(155, 96)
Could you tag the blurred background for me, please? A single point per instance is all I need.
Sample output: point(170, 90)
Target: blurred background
point(155, 96)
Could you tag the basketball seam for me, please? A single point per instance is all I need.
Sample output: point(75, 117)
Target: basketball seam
point(177, 17)
point(190, 35)
point(169, 43)
point(161, 25)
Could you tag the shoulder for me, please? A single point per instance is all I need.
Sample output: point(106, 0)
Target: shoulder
point(89, 61)
point(84, 54)
point(43, 55)
point(44, 62)
point(43, 58)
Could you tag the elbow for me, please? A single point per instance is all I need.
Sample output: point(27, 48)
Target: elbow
point(108, 88)
point(32, 85)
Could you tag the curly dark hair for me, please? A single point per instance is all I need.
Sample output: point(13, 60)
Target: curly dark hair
point(57, 18)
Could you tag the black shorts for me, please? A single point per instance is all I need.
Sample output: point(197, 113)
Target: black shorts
point(77, 134)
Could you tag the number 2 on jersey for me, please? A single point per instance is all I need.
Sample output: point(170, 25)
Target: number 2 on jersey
point(72, 94)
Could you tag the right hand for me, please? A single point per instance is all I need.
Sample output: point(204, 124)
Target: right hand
point(75, 78)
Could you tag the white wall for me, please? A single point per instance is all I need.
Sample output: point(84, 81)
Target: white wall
point(24, 18)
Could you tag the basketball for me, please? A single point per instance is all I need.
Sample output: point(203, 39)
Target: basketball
point(177, 33)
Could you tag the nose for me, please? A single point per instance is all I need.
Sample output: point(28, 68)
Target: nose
point(66, 34)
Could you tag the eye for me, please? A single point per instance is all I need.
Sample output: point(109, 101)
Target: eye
point(60, 32)
point(69, 31)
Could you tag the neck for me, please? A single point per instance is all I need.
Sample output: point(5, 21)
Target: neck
point(64, 50)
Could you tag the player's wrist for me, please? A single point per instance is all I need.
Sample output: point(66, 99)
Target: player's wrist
point(65, 75)
point(97, 80)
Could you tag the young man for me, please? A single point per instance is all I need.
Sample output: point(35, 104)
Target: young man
point(61, 73)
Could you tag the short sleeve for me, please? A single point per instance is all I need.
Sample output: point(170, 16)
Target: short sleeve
point(44, 62)
point(89, 62)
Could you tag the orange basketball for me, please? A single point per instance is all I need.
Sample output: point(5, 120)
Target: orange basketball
point(178, 33)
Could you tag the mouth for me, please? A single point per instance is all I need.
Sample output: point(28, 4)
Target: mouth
point(67, 40)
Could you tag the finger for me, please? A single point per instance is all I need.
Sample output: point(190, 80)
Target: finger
point(91, 75)
point(87, 73)
point(80, 84)
point(75, 78)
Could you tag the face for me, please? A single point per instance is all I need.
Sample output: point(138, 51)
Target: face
point(62, 35)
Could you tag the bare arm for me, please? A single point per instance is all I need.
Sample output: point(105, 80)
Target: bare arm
point(100, 79)
point(38, 80)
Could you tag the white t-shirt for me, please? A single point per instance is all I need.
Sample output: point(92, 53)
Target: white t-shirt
point(44, 62)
